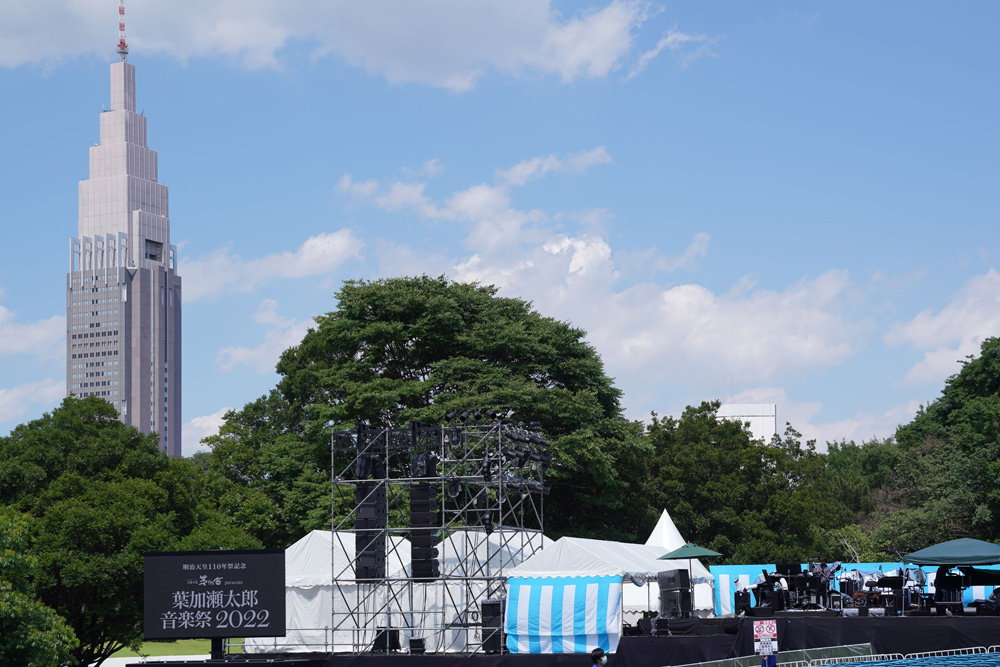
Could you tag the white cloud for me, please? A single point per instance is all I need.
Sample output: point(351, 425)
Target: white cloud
point(360, 190)
point(200, 428)
point(642, 329)
point(281, 334)
point(652, 259)
point(221, 270)
point(687, 330)
point(955, 332)
point(45, 339)
point(445, 43)
point(34, 396)
point(675, 41)
point(537, 167)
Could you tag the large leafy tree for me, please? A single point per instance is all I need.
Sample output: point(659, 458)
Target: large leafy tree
point(101, 494)
point(30, 632)
point(749, 500)
point(949, 460)
point(406, 349)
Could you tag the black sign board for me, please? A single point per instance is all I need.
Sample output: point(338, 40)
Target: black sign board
point(204, 594)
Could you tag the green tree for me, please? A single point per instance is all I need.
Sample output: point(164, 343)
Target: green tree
point(30, 632)
point(949, 465)
point(749, 500)
point(102, 494)
point(406, 349)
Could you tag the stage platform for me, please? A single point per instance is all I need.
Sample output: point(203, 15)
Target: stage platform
point(693, 641)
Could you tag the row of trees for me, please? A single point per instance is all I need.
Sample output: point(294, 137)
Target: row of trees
point(82, 496)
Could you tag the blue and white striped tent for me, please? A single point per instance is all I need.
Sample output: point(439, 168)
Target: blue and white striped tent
point(568, 597)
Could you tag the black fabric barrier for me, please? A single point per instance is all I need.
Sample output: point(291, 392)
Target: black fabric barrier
point(659, 651)
point(728, 638)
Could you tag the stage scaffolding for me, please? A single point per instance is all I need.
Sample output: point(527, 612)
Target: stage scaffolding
point(484, 484)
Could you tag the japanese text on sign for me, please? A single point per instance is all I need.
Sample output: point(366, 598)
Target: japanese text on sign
point(765, 637)
point(190, 595)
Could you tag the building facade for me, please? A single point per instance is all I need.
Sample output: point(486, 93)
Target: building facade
point(123, 294)
point(761, 418)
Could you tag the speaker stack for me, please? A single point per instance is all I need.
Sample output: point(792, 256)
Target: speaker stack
point(675, 594)
point(424, 520)
point(741, 603)
point(370, 521)
point(492, 615)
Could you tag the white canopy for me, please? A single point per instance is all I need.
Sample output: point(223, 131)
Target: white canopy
point(324, 617)
point(665, 534)
point(576, 556)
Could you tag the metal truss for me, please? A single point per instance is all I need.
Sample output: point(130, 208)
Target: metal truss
point(484, 482)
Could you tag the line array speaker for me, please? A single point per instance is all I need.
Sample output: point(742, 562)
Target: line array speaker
point(424, 523)
point(370, 525)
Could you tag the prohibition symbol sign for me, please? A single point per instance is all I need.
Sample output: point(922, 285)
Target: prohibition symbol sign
point(765, 636)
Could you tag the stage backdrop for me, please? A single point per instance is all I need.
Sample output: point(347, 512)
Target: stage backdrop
point(563, 614)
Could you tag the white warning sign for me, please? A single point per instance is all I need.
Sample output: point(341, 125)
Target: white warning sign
point(765, 636)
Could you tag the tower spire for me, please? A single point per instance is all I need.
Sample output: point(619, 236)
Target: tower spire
point(122, 46)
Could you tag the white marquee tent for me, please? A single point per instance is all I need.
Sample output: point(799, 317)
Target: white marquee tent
point(313, 605)
point(572, 597)
point(666, 535)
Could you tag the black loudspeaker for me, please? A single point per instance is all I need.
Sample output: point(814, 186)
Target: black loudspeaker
point(386, 640)
point(849, 588)
point(675, 604)
point(492, 622)
point(370, 526)
point(661, 627)
point(741, 602)
point(673, 579)
point(424, 561)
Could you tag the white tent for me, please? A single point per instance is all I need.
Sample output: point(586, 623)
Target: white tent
point(323, 617)
point(666, 535)
point(593, 575)
point(311, 599)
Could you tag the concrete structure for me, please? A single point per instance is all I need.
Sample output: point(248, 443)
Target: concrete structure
point(123, 297)
point(762, 417)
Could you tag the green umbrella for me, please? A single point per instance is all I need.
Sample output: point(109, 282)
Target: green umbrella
point(689, 551)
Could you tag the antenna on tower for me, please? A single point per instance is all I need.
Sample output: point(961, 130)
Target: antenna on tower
point(122, 46)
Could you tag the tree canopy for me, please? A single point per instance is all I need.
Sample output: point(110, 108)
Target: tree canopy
point(30, 632)
point(751, 501)
point(406, 349)
point(101, 494)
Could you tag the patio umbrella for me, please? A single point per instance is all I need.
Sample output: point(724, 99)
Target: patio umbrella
point(688, 552)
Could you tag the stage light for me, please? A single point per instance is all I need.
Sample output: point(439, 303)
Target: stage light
point(465, 416)
point(451, 416)
point(490, 414)
point(454, 488)
point(477, 415)
point(535, 424)
point(486, 470)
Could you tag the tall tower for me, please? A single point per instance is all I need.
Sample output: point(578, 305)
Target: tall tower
point(123, 294)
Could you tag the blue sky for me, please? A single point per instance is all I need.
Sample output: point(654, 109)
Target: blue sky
point(780, 202)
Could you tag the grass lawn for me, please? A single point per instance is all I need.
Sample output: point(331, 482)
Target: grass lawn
point(178, 647)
